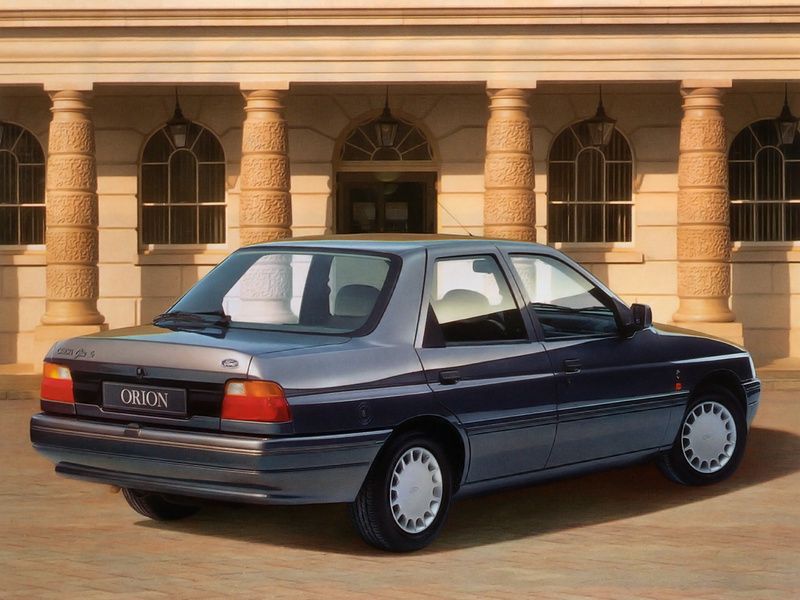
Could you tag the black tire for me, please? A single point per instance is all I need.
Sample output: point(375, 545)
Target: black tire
point(675, 463)
point(157, 506)
point(372, 512)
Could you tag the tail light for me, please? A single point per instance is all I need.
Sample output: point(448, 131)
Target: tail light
point(56, 383)
point(247, 400)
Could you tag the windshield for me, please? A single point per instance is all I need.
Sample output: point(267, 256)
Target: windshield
point(306, 291)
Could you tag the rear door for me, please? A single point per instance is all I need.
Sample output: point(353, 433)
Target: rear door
point(482, 364)
point(615, 392)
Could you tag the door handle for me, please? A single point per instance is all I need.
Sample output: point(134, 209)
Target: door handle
point(572, 365)
point(449, 377)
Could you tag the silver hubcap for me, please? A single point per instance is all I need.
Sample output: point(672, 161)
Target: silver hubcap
point(708, 437)
point(415, 492)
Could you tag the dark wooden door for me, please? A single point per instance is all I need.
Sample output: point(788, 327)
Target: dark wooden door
point(386, 203)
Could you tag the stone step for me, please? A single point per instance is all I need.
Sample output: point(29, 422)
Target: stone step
point(19, 387)
point(782, 374)
point(779, 380)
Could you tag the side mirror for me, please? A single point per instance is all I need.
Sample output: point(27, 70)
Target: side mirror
point(642, 316)
point(635, 318)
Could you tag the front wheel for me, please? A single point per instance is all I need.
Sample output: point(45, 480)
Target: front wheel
point(405, 499)
point(157, 506)
point(710, 442)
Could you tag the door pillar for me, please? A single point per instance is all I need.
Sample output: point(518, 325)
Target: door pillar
point(509, 209)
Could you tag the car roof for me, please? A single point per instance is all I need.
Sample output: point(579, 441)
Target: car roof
point(399, 242)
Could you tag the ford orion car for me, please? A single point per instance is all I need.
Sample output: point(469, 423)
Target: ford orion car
point(393, 374)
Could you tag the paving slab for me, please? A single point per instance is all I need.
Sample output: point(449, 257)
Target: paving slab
point(627, 533)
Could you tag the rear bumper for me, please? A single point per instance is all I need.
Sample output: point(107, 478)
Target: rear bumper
point(291, 470)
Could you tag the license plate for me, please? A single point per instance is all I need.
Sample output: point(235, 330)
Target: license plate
point(144, 398)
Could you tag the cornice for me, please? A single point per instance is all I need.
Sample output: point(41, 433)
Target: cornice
point(78, 49)
point(705, 14)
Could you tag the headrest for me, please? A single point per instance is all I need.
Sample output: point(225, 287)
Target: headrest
point(458, 304)
point(355, 300)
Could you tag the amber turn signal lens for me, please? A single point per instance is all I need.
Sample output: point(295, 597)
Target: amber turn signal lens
point(56, 383)
point(262, 401)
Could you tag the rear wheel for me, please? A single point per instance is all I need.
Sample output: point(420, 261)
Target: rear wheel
point(711, 440)
point(157, 506)
point(404, 501)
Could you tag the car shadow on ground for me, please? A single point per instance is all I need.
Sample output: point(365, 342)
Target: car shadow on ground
point(503, 516)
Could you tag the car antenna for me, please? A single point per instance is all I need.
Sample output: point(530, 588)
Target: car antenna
point(452, 216)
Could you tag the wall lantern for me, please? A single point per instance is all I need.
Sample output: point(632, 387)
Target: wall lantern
point(786, 122)
point(178, 125)
point(386, 126)
point(600, 126)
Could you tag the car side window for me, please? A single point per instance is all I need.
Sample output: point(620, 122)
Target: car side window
point(565, 302)
point(471, 302)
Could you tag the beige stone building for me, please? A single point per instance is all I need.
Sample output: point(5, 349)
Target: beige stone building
point(313, 116)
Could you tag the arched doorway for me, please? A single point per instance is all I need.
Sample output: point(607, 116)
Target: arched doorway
point(385, 188)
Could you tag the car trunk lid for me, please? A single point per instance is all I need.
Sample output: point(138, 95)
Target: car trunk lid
point(174, 377)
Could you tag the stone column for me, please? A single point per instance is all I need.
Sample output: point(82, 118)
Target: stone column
point(509, 208)
point(265, 205)
point(71, 234)
point(704, 252)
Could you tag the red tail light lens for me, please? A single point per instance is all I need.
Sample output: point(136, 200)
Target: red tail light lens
point(262, 401)
point(56, 383)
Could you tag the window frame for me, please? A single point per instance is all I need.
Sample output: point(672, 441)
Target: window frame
point(613, 300)
point(197, 245)
point(430, 334)
point(754, 202)
point(576, 203)
point(378, 311)
point(19, 245)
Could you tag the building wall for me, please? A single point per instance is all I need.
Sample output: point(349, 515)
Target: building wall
point(136, 284)
point(455, 122)
point(645, 269)
point(765, 275)
point(22, 280)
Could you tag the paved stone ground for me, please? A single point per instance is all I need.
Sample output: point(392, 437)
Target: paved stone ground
point(622, 534)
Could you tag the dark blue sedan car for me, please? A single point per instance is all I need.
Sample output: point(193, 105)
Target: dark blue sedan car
point(391, 374)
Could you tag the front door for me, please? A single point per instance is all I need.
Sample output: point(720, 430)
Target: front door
point(386, 202)
point(615, 394)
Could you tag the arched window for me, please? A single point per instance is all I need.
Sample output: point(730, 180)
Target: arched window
point(21, 187)
point(182, 190)
point(764, 185)
point(362, 144)
point(589, 197)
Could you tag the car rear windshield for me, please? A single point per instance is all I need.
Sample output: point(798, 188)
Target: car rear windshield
point(307, 291)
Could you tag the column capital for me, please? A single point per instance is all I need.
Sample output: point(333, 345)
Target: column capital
point(706, 100)
point(264, 100)
point(70, 101)
point(513, 98)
